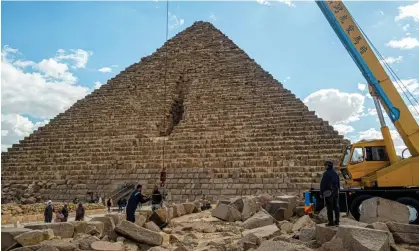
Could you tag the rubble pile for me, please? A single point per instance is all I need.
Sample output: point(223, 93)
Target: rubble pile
point(251, 223)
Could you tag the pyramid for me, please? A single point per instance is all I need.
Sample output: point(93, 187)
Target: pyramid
point(227, 128)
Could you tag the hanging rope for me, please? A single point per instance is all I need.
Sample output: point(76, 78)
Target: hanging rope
point(163, 171)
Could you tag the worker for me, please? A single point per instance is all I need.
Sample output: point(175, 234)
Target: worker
point(80, 211)
point(156, 199)
point(329, 191)
point(64, 212)
point(109, 204)
point(49, 209)
point(136, 198)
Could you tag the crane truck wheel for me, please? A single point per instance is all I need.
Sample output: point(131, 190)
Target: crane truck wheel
point(413, 208)
point(356, 203)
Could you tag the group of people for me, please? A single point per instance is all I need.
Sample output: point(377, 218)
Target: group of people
point(62, 215)
point(137, 197)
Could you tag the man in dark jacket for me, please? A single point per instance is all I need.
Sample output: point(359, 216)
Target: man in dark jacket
point(156, 199)
point(49, 209)
point(80, 212)
point(329, 191)
point(64, 212)
point(136, 198)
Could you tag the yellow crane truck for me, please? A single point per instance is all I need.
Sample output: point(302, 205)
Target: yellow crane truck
point(372, 168)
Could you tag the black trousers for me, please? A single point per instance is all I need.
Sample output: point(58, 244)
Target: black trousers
point(131, 216)
point(332, 205)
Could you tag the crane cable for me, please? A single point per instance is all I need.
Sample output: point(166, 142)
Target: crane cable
point(163, 171)
point(392, 73)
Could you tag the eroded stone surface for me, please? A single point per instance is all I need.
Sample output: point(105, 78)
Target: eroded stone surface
point(139, 234)
point(382, 210)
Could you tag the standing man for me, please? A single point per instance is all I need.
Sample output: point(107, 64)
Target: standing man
point(109, 204)
point(49, 209)
point(329, 191)
point(156, 199)
point(136, 198)
point(64, 212)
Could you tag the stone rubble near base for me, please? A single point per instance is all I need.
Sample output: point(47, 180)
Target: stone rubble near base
point(203, 232)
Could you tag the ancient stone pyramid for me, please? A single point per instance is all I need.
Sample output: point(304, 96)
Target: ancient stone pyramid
point(231, 129)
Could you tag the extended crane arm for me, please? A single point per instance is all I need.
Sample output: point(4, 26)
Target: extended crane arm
point(356, 44)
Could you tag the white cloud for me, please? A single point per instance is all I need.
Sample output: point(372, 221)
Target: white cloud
point(97, 85)
point(14, 127)
point(105, 69)
point(78, 57)
point(405, 27)
point(335, 106)
point(42, 93)
point(382, 13)
point(286, 79)
point(263, 2)
point(412, 85)
point(175, 22)
point(372, 111)
point(53, 69)
point(362, 87)
point(408, 11)
point(23, 64)
point(213, 17)
point(392, 60)
point(404, 43)
point(343, 129)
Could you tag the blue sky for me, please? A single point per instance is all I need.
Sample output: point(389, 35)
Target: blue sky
point(69, 48)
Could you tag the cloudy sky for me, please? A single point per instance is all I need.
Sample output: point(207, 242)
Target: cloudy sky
point(54, 53)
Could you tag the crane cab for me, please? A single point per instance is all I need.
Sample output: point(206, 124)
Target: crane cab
point(363, 159)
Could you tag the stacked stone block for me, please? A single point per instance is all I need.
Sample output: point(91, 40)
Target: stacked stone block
point(240, 131)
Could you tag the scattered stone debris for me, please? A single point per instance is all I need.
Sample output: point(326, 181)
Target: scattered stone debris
point(239, 224)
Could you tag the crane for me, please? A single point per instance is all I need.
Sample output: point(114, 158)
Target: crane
point(372, 168)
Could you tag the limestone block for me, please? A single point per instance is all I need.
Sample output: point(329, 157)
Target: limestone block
point(383, 227)
point(159, 217)
point(403, 228)
point(324, 233)
point(34, 237)
point(250, 207)
point(226, 213)
point(250, 241)
point(139, 234)
point(189, 207)
point(335, 244)
point(140, 220)
point(61, 245)
point(304, 221)
point(62, 229)
point(237, 203)
point(281, 245)
point(8, 236)
point(274, 206)
point(300, 211)
point(287, 227)
point(117, 218)
point(178, 210)
point(307, 233)
point(260, 219)
point(265, 232)
point(84, 243)
point(152, 226)
point(408, 238)
point(263, 199)
point(83, 226)
point(382, 210)
point(108, 224)
point(107, 246)
point(363, 239)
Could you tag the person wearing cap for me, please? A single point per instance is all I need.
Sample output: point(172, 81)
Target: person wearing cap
point(135, 198)
point(49, 209)
point(329, 191)
point(156, 199)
